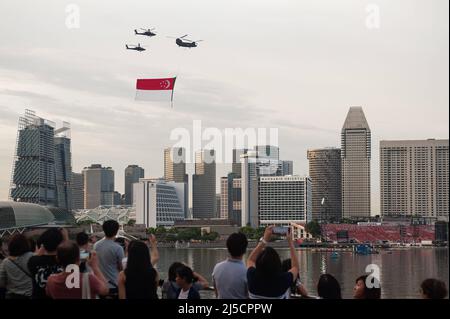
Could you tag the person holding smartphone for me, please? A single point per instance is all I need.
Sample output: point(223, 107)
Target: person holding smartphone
point(265, 277)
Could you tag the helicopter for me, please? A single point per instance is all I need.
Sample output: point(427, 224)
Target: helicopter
point(137, 48)
point(147, 32)
point(185, 42)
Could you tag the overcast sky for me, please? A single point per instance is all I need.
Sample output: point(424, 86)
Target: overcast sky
point(294, 65)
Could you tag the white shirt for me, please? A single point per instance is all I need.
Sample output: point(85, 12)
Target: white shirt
point(184, 294)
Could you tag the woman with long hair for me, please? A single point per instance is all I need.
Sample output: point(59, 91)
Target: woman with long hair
point(265, 277)
point(139, 280)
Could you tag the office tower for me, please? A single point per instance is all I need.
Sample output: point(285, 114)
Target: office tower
point(254, 165)
point(284, 199)
point(175, 164)
point(268, 151)
point(288, 167)
point(230, 198)
point(98, 186)
point(414, 178)
point(117, 198)
point(158, 202)
point(42, 163)
point(132, 175)
point(63, 171)
point(236, 166)
point(325, 174)
point(204, 185)
point(217, 206)
point(175, 171)
point(77, 191)
point(355, 155)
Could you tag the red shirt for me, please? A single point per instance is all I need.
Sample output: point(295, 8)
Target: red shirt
point(57, 289)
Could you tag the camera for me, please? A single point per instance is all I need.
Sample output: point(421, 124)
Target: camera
point(84, 255)
point(279, 230)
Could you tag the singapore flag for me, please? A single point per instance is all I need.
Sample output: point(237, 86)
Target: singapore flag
point(155, 89)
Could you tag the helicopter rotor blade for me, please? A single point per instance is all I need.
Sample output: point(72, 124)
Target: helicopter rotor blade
point(183, 36)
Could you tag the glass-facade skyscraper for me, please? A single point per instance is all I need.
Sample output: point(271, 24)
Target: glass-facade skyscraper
point(42, 170)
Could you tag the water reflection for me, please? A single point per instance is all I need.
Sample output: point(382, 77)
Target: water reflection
point(401, 271)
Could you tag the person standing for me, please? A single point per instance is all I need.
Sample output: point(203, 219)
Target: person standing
point(265, 277)
point(14, 273)
point(90, 284)
point(230, 275)
point(139, 280)
point(44, 264)
point(110, 255)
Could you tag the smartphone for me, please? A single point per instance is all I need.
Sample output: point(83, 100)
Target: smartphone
point(84, 255)
point(279, 230)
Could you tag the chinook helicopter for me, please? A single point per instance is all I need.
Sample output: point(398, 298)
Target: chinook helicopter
point(186, 43)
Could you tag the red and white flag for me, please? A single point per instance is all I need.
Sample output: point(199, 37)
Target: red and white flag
point(155, 89)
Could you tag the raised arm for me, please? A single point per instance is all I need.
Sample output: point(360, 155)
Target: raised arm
point(154, 253)
point(64, 233)
point(93, 263)
point(251, 261)
point(294, 257)
point(201, 280)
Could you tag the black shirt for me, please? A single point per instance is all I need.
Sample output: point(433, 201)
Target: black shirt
point(41, 267)
point(277, 286)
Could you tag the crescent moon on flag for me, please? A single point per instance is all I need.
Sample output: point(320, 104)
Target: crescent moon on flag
point(166, 84)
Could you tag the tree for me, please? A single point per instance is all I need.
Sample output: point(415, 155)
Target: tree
point(313, 227)
point(86, 222)
point(131, 222)
point(248, 231)
point(211, 236)
point(160, 230)
point(259, 232)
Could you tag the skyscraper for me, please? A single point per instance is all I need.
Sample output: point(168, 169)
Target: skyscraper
point(230, 198)
point(236, 165)
point(117, 199)
point(175, 171)
point(288, 167)
point(355, 155)
point(42, 163)
point(132, 175)
point(414, 178)
point(204, 185)
point(175, 165)
point(263, 161)
point(77, 191)
point(325, 174)
point(268, 151)
point(98, 186)
point(63, 172)
point(284, 199)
